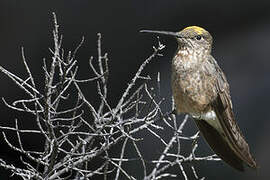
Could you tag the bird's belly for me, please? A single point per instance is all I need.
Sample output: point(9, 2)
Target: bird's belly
point(185, 104)
point(192, 96)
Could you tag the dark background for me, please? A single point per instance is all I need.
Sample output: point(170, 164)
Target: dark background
point(241, 32)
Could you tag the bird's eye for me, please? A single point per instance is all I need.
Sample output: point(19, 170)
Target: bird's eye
point(198, 37)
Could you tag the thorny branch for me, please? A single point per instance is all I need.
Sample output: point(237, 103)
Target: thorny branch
point(74, 141)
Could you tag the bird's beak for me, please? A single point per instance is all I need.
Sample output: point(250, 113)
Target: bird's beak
point(174, 34)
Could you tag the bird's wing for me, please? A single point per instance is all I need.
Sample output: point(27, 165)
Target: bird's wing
point(222, 106)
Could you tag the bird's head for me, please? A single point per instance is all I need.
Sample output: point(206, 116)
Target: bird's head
point(192, 37)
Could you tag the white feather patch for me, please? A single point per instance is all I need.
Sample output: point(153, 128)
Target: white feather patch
point(211, 118)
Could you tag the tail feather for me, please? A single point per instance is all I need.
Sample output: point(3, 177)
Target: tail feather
point(219, 145)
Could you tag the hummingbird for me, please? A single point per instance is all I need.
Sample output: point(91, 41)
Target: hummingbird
point(201, 90)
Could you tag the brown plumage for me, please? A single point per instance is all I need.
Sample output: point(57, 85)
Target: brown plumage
point(200, 89)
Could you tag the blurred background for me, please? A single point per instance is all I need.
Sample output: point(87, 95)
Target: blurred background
point(241, 32)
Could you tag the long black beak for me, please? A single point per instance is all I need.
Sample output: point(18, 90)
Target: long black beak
point(175, 34)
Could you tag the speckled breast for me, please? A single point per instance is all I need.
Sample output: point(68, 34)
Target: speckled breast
point(193, 86)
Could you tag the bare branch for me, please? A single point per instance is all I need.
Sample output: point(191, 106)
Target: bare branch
point(76, 133)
